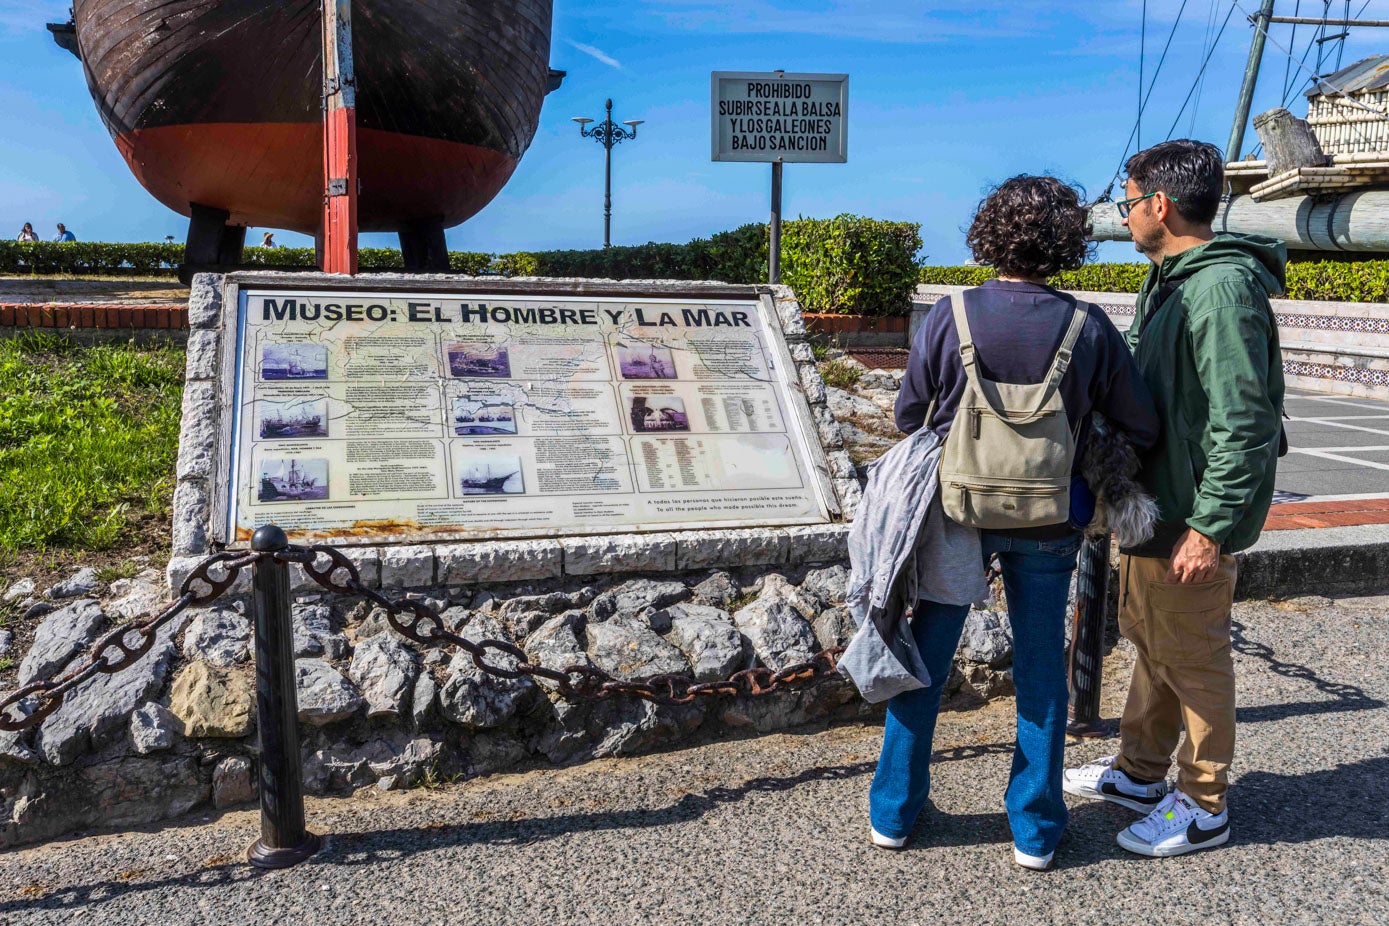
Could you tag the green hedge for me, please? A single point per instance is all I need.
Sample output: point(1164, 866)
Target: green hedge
point(738, 256)
point(1332, 281)
point(851, 265)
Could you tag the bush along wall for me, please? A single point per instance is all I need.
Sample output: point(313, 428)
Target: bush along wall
point(1331, 281)
point(851, 265)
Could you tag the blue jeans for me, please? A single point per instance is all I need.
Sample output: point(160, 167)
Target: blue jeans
point(1036, 579)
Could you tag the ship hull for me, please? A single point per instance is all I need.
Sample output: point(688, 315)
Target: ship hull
point(218, 102)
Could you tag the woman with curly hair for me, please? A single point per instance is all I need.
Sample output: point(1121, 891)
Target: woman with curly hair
point(1028, 229)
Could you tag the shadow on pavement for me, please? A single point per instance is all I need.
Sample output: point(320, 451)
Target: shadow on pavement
point(1343, 697)
point(366, 848)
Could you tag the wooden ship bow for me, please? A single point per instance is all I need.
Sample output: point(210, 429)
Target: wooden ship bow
point(218, 107)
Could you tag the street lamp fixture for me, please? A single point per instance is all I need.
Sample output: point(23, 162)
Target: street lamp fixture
point(608, 133)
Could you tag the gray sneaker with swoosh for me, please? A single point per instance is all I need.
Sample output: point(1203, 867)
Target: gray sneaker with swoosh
point(1102, 781)
point(1175, 827)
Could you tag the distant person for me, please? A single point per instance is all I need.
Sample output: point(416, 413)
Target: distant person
point(27, 233)
point(268, 241)
point(64, 234)
point(1206, 342)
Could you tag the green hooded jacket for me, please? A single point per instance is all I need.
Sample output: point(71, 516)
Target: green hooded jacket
point(1209, 353)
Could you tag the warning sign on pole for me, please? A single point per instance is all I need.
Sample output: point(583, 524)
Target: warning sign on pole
point(780, 117)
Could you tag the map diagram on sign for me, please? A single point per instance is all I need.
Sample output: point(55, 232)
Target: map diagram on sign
point(366, 414)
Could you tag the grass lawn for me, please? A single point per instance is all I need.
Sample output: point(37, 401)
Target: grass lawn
point(88, 441)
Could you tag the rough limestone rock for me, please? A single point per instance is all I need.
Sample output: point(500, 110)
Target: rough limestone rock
point(638, 594)
point(324, 695)
point(829, 584)
point(807, 605)
point(104, 703)
point(707, 638)
point(232, 783)
point(384, 669)
point(987, 638)
point(989, 683)
point(122, 792)
point(833, 627)
point(631, 651)
point(83, 583)
point(137, 597)
point(153, 728)
point(556, 644)
point(61, 636)
point(213, 702)
point(551, 603)
point(779, 635)
point(219, 634)
point(521, 624)
point(424, 700)
point(33, 608)
point(340, 765)
point(717, 590)
point(6, 641)
point(477, 699)
point(24, 588)
point(313, 632)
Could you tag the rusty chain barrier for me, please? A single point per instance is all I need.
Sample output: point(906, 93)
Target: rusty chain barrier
point(284, 839)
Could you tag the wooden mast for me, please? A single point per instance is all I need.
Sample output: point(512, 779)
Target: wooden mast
point(339, 254)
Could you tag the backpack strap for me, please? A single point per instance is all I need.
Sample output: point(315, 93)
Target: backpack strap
point(1059, 364)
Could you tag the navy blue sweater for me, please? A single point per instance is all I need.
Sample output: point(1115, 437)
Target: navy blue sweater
point(1017, 329)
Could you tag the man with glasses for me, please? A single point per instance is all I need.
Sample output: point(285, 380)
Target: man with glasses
point(1206, 342)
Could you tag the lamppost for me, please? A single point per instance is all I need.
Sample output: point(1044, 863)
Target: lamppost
point(608, 133)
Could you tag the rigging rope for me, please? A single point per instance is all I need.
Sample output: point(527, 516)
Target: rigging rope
point(1206, 61)
point(1350, 100)
point(1142, 51)
point(1201, 78)
point(1145, 97)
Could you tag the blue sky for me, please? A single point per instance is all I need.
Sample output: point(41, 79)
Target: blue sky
point(946, 99)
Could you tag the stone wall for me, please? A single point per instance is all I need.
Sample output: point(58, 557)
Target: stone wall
point(176, 730)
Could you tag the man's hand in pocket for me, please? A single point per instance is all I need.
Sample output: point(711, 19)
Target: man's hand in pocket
point(1195, 559)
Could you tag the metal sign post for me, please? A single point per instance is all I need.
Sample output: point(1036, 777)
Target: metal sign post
point(779, 118)
point(774, 245)
point(339, 140)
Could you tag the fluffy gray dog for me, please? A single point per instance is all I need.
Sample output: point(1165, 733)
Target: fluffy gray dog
point(1110, 466)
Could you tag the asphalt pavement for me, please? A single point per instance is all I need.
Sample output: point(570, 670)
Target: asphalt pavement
point(773, 829)
point(1339, 446)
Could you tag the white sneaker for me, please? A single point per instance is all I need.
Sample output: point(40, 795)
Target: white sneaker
point(1034, 862)
point(1175, 827)
point(885, 842)
point(1100, 779)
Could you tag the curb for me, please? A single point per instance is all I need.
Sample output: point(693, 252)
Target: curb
point(1321, 561)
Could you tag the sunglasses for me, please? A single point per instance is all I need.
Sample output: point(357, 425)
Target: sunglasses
point(1124, 205)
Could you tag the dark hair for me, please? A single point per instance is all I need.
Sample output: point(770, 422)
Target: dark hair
point(1030, 227)
point(1191, 172)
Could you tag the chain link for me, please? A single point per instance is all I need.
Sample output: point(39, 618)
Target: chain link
point(416, 621)
point(32, 704)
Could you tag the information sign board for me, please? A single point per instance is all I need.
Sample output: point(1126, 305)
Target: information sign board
point(418, 415)
point(780, 117)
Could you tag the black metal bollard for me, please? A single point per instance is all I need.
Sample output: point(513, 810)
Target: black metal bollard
point(284, 840)
point(1084, 663)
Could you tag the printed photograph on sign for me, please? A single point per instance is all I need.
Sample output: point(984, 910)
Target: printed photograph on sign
point(476, 359)
point(293, 418)
point(658, 413)
point(293, 480)
point(280, 361)
point(471, 418)
point(489, 474)
point(645, 361)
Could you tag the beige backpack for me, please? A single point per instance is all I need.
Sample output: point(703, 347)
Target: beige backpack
point(1008, 458)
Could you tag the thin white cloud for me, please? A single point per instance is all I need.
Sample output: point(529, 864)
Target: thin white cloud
point(29, 16)
point(596, 53)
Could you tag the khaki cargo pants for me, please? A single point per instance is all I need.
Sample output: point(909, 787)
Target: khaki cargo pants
point(1185, 676)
